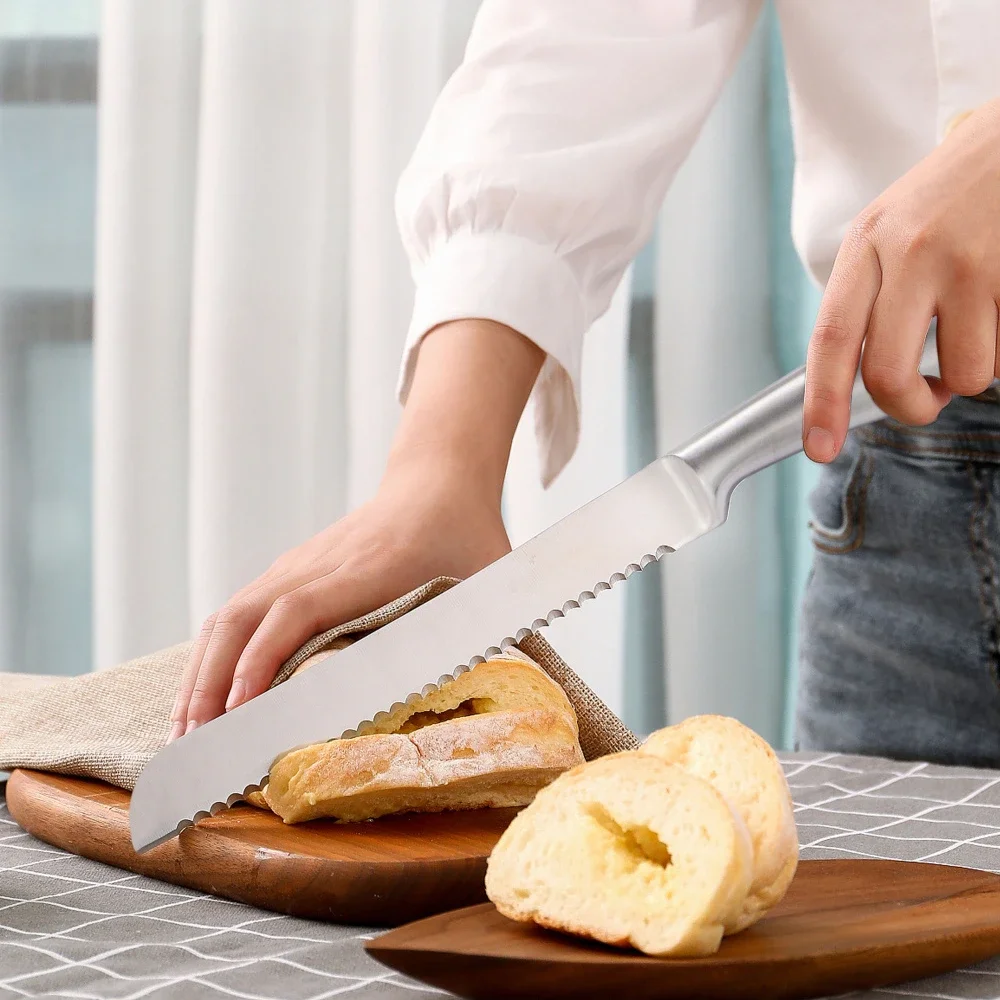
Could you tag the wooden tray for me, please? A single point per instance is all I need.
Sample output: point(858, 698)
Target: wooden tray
point(378, 874)
point(844, 925)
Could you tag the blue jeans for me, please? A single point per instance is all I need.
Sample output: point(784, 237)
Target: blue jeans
point(900, 635)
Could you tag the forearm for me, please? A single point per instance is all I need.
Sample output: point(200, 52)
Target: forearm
point(472, 380)
point(537, 179)
point(437, 514)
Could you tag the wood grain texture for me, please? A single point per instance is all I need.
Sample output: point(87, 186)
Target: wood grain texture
point(844, 925)
point(379, 874)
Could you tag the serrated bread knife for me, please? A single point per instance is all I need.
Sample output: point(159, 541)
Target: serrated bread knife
point(666, 505)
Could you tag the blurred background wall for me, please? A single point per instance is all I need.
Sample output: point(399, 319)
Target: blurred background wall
point(218, 175)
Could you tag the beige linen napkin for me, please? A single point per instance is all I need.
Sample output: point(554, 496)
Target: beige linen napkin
point(109, 724)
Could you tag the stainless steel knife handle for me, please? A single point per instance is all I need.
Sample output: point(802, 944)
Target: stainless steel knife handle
point(768, 428)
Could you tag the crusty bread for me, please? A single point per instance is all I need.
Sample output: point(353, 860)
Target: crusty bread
point(627, 849)
point(490, 738)
point(746, 771)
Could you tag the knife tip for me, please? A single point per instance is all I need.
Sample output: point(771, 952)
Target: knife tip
point(142, 845)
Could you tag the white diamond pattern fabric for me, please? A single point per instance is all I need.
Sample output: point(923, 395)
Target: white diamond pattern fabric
point(75, 928)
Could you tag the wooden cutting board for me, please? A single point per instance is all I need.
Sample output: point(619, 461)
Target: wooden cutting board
point(844, 925)
point(378, 874)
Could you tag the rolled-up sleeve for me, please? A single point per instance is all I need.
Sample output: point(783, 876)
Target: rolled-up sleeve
point(542, 167)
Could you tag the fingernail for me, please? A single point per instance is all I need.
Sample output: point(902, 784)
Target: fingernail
point(190, 726)
point(176, 729)
point(819, 444)
point(236, 694)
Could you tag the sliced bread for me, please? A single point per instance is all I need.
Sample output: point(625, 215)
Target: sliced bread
point(741, 765)
point(490, 738)
point(628, 850)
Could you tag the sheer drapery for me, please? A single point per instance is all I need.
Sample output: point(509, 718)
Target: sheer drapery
point(251, 291)
point(252, 297)
point(251, 300)
point(722, 617)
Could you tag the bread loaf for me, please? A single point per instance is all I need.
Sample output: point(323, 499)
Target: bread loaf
point(741, 765)
point(490, 738)
point(628, 850)
point(666, 848)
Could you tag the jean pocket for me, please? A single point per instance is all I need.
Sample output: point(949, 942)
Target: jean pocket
point(839, 501)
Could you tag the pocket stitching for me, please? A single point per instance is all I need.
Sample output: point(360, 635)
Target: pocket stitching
point(936, 449)
point(986, 567)
point(851, 535)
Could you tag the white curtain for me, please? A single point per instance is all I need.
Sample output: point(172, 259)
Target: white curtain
point(592, 638)
point(251, 293)
point(252, 297)
point(723, 626)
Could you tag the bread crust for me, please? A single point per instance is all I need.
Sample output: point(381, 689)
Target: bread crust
point(491, 738)
point(698, 841)
point(713, 747)
point(614, 850)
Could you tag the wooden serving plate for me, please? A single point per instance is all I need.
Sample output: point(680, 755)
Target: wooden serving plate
point(844, 925)
point(376, 874)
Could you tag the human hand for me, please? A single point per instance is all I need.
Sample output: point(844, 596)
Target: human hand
point(928, 246)
point(414, 530)
point(436, 513)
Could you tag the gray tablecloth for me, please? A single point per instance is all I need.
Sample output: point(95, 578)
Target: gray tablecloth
point(75, 928)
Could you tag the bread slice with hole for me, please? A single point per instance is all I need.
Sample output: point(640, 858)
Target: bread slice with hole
point(490, 738)
point(744, 768)
point(628, 850)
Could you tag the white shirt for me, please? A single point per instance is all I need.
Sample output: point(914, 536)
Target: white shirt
point(543, 165)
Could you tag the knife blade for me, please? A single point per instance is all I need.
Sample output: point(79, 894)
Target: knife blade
point(666, 505)
point(574, 560)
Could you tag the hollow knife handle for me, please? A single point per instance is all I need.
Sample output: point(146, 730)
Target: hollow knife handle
point(768, 428)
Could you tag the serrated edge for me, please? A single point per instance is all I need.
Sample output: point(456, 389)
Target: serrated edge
point(512, 640)
point(602, 586)
point(213, 810)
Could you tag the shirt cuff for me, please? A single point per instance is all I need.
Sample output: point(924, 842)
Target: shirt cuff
point(526, 286)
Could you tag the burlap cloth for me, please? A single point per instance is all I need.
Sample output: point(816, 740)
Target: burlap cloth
point(109, 724)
